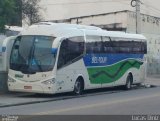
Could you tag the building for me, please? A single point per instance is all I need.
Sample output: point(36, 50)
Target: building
point(126, 21)
point(64, 9)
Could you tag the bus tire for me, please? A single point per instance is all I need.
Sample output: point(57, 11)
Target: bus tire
point(79, 86)
point(139, 84)
point(129, 82)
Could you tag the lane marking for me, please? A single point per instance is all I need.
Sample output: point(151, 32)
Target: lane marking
point(96, 105)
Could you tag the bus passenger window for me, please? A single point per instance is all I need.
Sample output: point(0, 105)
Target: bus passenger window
point(70, 51)
point(94, 45)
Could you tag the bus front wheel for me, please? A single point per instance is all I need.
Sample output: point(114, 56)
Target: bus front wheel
point(78, 87)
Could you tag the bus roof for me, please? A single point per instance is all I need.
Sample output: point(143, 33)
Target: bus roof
point(115, 34)
point(71, 30)
point(71, 26)
point(14, 28)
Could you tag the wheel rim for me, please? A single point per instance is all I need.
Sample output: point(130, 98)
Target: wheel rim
point(129, 84)
point(77, 87)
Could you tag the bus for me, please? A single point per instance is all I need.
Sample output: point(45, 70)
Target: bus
point(12, 30)
point(5, 51)
point(53, 58)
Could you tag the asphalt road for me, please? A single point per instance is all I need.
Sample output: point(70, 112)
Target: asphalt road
point(139, 101)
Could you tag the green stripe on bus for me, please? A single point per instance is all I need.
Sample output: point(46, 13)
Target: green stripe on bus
point(109, 74)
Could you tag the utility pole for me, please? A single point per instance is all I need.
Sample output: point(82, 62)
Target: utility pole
point(138, 17)
point(136, 3)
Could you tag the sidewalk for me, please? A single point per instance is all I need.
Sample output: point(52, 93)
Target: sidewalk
point(153, 80)
point(13, 99)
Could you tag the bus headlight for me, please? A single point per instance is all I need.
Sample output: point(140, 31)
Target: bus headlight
point(11, 80)
point(48, 82)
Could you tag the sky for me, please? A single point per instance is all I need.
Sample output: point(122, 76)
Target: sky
point(64, 9)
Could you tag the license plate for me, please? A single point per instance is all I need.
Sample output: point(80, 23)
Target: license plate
point(27, 87)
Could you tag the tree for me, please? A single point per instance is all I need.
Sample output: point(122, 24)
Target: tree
point(17, 19)
point(7, 11)
point(30, 11)
point(13, 11)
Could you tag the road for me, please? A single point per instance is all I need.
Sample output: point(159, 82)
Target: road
point(138, 101)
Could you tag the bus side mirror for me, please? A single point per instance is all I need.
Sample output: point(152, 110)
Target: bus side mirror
point(16, 47)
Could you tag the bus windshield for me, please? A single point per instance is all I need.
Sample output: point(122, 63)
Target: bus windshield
point(31, 54)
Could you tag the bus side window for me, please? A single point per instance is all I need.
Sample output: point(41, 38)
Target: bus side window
point(110, 45)
point(63, 51)
point(145, 47)
point(94, 45)
point(70, 51)
point(15, 51)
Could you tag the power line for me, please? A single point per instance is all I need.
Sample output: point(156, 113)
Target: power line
point(155, 11)
point(144, 9)
point(153, 8)
point(89, 2)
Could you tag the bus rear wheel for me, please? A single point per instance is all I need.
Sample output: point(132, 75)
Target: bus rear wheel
point(78, 87)
point(128, 84)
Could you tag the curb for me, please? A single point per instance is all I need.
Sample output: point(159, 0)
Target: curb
point(57, 99)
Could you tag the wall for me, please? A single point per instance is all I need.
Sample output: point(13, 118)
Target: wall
point(103, 19)
point(64, 9)
point(150, 28)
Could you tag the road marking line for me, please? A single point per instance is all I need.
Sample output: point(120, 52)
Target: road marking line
point(96, 105)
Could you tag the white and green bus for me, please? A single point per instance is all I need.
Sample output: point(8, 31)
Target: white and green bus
point(56, 57)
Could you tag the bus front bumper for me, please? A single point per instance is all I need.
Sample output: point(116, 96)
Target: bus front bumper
point(32, 88)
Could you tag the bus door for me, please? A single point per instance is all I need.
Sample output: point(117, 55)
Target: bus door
point(64, 79)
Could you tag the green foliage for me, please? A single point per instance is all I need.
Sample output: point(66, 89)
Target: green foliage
point(30, 11)
point(7, 11)
point(13, 11)
point(17, 18)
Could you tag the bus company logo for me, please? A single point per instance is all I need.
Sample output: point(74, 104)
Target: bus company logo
point(18, 76)
point(9, 118)
point(100, 60)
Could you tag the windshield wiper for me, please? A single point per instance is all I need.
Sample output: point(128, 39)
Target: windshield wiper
point(28, 72)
